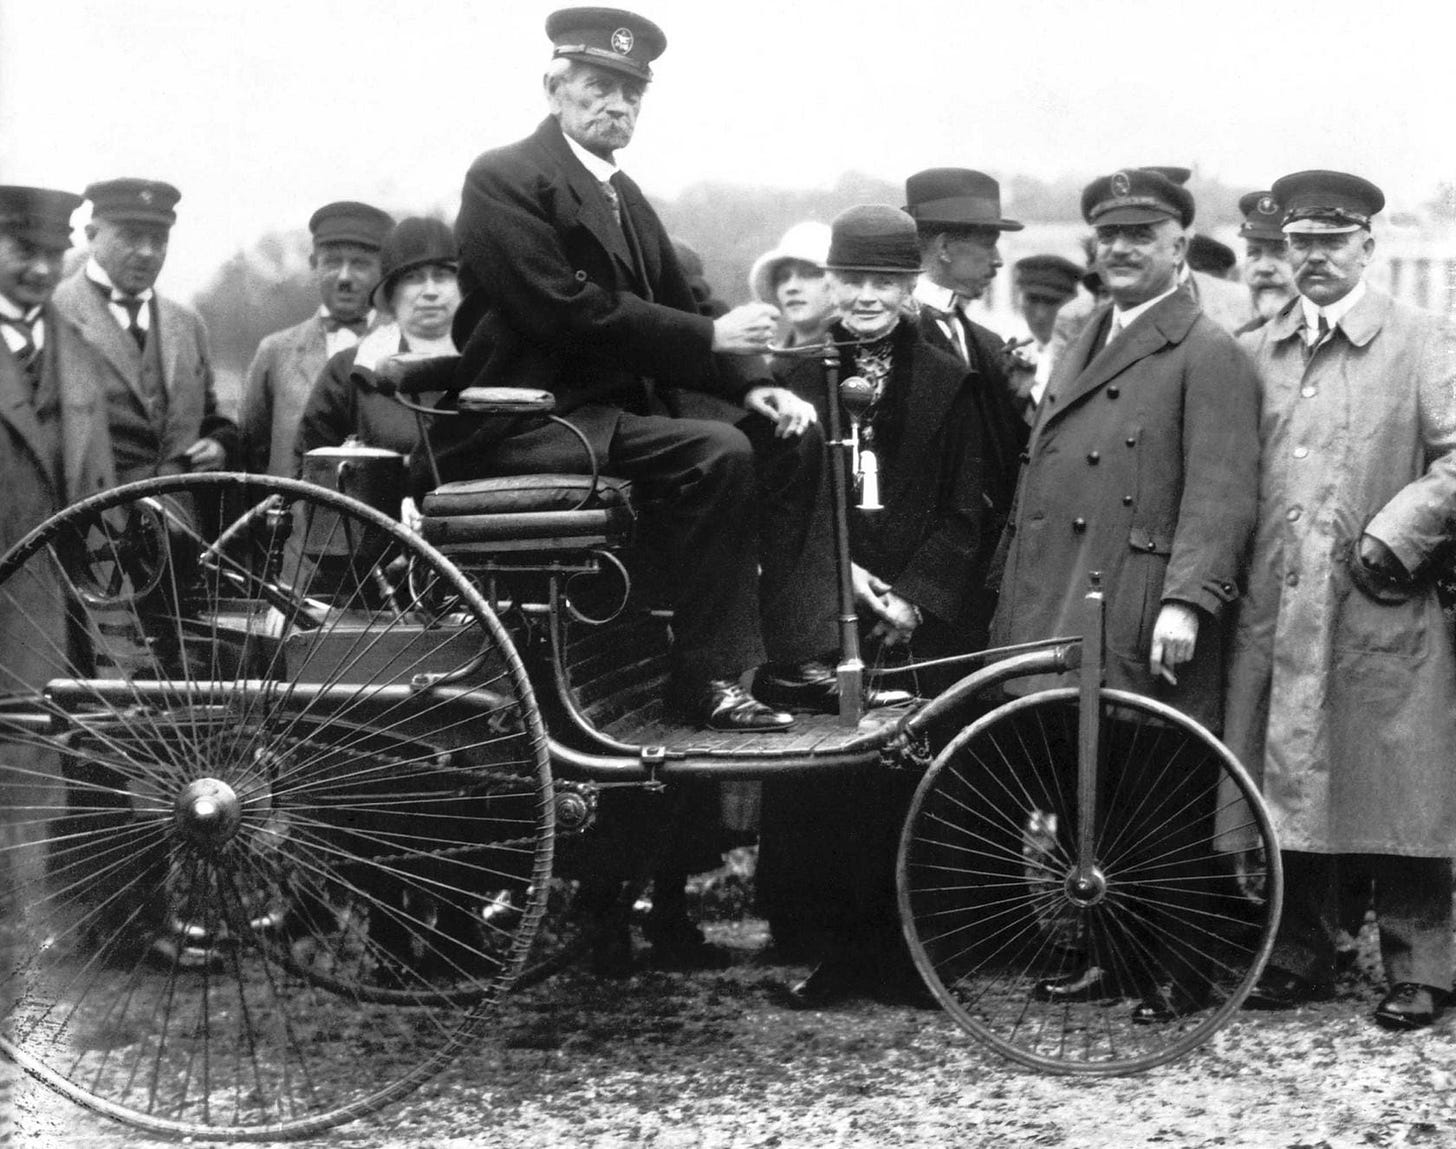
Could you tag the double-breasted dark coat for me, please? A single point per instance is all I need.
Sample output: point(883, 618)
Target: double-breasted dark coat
point(1143, 466)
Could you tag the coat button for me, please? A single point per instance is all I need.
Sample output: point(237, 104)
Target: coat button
point(1152, 546)
point(1093, 458)
point(1131, 441)
point(1113, 392)
point(1300, 452)
point(1228, 587)
point(1127, 500)
point(1293, 514)
point(1079, 525)
point(1291, 579)
point(581, 277)
point(1308, 392)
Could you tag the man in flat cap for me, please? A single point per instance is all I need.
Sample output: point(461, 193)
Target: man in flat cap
point(1267, 273)
point(1143, 466)
point(1044, 285)
point(572, 285)
point(957, 214)
point(1342, 690)
point(54, 450)
point(345, 263)
point(157, 378)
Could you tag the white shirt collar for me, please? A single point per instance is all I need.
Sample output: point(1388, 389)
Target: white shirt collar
point(602, 169)
point(1122, 318)
point(14, 339)
point(932, 294)
point(1333, 312)
point(12, 310)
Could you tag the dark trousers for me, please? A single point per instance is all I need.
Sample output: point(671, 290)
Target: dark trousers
point(1412, 898)
point(750, 571)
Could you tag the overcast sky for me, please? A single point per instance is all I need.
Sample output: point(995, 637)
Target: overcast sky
point(261, 111)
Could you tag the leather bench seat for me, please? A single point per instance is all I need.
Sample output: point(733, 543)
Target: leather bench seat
point(532, 513)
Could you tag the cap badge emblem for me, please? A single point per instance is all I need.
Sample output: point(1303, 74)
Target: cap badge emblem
point(145, 195)
point(1267, 206)
point(622, 41)
point(1121, 184)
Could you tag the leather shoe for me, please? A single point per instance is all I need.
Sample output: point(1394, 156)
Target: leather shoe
point(813, 686)
point(723, 704)
point(1090, 983)
point(1167, 1002)
point(1280, 989)
point(1409, 1005)
point(828, 983)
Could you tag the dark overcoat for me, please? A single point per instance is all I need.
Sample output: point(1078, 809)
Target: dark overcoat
point(553, 299)
point(1143, 466)
point(1345, 705)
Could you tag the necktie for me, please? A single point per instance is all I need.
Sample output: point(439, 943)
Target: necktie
point(1321, 336)
point(27, 355)
point(357, 326)
point(133, 308)
point(624, 221)
point(613, 200)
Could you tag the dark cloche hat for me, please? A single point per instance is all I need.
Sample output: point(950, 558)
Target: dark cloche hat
point(873, 237)
point(1135, 195)
point(1206, 254)
point(1172, 174)
point(130, 200)
point(1047, 277)
point(1321, 201)
point(416, 241)
point(347, 221)
point(1263, 216)
point(41, 216)
point(956, 197)
point(609, 37)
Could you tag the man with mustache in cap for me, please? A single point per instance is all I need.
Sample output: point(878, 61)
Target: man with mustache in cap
point(1342, 687)
point(1267, 273)
point(345, 263)
point(158, 380)
point(572, 285)
point(1142, 465)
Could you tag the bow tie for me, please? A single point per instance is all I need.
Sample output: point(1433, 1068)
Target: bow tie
point(357, 326)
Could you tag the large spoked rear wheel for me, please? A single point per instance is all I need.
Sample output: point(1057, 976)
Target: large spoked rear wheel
point(1048, 965)
point(279, 809)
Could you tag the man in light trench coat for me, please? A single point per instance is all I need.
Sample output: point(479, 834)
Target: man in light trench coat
point(1342, 687)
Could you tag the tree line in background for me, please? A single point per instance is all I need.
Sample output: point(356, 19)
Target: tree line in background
point(267, 287)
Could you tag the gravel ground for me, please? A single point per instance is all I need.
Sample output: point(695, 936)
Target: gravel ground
point(708, 1060)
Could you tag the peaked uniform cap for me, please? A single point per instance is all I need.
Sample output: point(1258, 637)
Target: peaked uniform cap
point(1047, 276)
point(956, 197)
point(1169, 172)
point(130, 200)
point(806, 242)
point(608, 37)
point(874, 238)
point(1263, 216)
point(348, 221)
point(1207, 254)
point(41, 216)
point(416, 241)
point(1325, 201)
point(1133, 196)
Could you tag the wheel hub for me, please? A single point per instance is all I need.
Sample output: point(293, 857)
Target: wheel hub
point(208, 812)
point(1087, 888)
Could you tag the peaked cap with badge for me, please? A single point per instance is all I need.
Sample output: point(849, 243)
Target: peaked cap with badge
point(608, 37)
point(130, 200)
point(41, 216)
point(1263, 216)
point(1325, 201)
point(1134, 196)
point(951, 198)
point(1170, 172)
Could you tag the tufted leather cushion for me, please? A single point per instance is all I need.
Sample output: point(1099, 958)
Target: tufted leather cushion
point(530, 513)
point(516, 494)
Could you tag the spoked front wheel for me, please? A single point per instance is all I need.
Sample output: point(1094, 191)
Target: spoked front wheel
point(278, 809)
point(1127, 960)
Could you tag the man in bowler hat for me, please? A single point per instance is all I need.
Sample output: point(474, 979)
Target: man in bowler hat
point(345, 262)
point(1342, 686)
point(161, 396)
point(572, 285)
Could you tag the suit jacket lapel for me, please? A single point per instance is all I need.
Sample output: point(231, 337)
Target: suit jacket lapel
point(17, 406)
point(931, 393)
point(311, 351)
point(100, 329)
point(593, 212)
point(169, 329)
